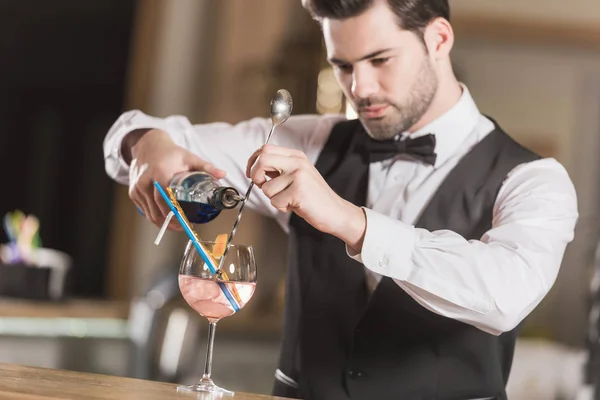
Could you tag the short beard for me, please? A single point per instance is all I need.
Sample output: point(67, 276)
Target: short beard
point(405, 115)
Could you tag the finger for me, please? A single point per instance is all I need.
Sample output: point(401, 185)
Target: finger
point(272, 163)
point(140, 202)
point(137, 198)
point(136, 188)
point(283, 201)
point(277, 185)
point(138, 205)
point(252, 160)
point(144, 190)
point(272, 149)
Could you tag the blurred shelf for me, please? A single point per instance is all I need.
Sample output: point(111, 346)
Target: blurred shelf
point(69, 318)
point(73, 308)
point(96, 328)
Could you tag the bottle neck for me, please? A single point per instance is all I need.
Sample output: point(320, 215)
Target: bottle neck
point(225, 198)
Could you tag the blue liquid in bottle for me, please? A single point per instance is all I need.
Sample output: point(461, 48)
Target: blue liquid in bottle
point(198, 213)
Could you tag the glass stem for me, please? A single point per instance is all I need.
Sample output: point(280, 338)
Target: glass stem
point(209, 351)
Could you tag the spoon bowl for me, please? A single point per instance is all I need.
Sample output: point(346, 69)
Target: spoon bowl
point(281, 107)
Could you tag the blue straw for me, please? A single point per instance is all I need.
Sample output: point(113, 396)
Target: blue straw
point(197, 245)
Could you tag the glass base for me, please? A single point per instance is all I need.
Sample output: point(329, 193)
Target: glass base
point(206, 390)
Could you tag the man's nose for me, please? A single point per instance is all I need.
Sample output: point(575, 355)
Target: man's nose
point(364, 83)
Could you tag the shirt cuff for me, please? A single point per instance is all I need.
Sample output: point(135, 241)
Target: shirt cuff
point(387, 247)
point(128, 122)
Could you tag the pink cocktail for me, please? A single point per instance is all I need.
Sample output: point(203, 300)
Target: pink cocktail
point(207, 298)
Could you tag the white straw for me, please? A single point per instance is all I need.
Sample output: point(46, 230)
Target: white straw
point(163, 229)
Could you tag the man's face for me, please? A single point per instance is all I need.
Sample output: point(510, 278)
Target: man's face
point(384, 71)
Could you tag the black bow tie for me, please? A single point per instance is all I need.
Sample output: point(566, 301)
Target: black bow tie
point(421, 148)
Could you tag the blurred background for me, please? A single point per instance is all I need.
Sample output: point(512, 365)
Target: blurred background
point(69, 68)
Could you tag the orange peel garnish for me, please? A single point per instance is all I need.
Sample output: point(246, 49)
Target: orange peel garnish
point(220, 245)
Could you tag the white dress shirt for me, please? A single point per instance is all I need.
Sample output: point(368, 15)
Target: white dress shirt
point(491, 283)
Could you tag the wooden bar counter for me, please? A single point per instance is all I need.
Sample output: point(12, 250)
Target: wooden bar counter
point(31, 383)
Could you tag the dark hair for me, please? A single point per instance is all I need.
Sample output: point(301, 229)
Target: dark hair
point(413, 15)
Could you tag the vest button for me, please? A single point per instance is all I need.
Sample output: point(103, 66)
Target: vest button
point(355, 374)
point(383, 261)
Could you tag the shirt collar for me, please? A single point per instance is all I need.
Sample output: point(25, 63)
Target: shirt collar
point(452, 127)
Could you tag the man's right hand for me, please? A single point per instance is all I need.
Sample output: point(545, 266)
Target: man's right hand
point(154, 157)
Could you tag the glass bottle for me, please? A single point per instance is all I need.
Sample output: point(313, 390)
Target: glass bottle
point(201, 196)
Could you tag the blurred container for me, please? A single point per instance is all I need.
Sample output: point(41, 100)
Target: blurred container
point(42, 279)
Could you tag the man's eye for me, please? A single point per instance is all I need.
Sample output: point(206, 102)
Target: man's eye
point(379, 61)
point(344, 67)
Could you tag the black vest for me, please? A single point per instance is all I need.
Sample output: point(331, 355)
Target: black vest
point(341, 344)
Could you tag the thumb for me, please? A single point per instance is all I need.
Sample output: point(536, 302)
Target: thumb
point(195, 163)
